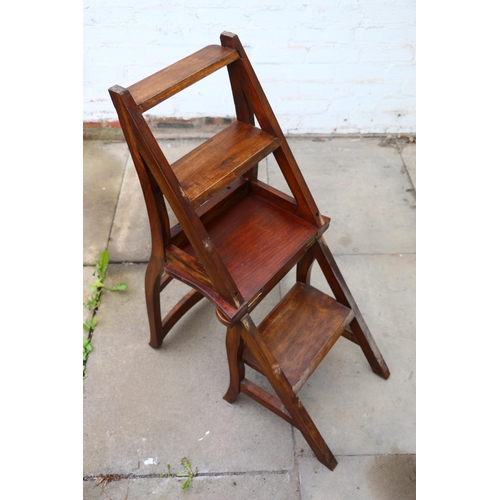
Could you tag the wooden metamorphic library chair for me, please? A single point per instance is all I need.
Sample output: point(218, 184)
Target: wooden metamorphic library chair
point(237, 237)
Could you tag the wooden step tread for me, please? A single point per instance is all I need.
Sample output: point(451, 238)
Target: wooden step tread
point(216, 163)
point(300, 331)
point(167, 82)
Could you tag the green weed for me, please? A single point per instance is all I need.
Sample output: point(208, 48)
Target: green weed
point(98, 286)
point(87, 347)
point(92, 303)
point(190, 473)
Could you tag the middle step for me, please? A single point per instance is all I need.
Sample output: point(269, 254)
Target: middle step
point(216, 163)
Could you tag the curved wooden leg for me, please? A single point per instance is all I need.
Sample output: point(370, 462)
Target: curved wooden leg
point(182, 307)
point(234, 346)
point(153, 276)
point(155, 283)
point(304, 267)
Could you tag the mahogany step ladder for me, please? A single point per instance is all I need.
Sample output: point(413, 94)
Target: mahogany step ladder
point(237, 237)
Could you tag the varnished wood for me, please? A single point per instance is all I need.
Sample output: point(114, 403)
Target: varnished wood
point(265, 399)
point(237, 237)
point(344, 296)
point(234, 349)
point(181, 308)
point(216, 163)
point(300, 341)
point(156, 162)
point(187, 263)
point(218, 204)
point(256, 233)
point(226, 309)
point(244, 112)
point(237, 234)
point(152, 285)
point(158, 219)
point(282, 387)
point(304, 267)
point(347, 333)
point(267, 120)
point(275, 197)
point(169, 81)
point(165, 280)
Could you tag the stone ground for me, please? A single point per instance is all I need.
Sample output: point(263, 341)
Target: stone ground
point(166, 404)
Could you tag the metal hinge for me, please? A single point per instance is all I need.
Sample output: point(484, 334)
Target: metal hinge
point(311, 242)
point(253, 300)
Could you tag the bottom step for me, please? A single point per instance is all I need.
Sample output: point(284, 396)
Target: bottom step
point(300, 331)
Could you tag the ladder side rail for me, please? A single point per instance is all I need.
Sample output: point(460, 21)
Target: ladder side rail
point(343, 295)
point(268, 122)
point(155, 204)
point(274, 374)
point(244, 112)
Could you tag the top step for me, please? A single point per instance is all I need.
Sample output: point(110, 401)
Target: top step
point(180, 75)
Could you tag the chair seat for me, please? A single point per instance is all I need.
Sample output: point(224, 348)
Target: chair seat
point(253, 238)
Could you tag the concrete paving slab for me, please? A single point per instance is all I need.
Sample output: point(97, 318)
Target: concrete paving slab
point(356, 411)
point(359, 478)
point(409, 154)
point(239, 487)
point(143, 403)
point(130, 239)
point(87, 280)
point(103, 166)
point(362, 187)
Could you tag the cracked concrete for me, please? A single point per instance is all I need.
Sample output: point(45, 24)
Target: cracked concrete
point(141, 403)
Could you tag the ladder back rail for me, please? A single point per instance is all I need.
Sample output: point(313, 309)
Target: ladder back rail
point(170, 80)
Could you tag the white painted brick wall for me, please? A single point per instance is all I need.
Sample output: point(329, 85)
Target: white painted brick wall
point(327, 66)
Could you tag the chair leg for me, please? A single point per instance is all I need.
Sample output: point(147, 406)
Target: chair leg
point(234, 347)
point(153, 276)
point(303, 422)
point(158, 333)
point(304, 267)
point(182, 307)
point(343, 295)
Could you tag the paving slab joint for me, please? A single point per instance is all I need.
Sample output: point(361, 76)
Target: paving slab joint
point(410, 180)
point(295, 471)
point(118, 477)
